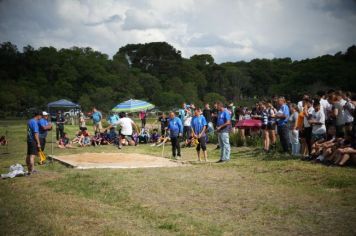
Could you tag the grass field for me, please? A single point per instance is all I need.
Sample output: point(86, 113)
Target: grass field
point(253, 194)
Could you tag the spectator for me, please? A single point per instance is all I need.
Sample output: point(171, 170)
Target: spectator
point(142, 115)
point(64, 142)
point(164, 123)
point(339, 113)
point(187, 122)
point(175, 128)
point(82, 121)
point(271, 125)
point(307, 129)
point(207, 115)
point(282, 120)
point(33, 142)
point(199, 125)
point(113, 119)
point(349, 108)
point(60, 121)
point(44, 126)
point(293, 130)
point(264, 121)
point(317, 120)
point(223, 128)
point(96, 117)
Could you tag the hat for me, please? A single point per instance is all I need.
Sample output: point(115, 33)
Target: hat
point(44, 113)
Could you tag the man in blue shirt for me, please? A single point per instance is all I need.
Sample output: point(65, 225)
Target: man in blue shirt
point(199, 125)
point(113, 119)
point(96, 117)
point(282, 120)
point(175, 128)
point(223, 127)
point(33, 141)
point(43, 126)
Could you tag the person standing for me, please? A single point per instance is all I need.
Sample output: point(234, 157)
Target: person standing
point(293, 130)
point(233, 116)
point(164, 123)
point(113, 119)
point(282, 120)
point(187, 122)
point(142, 115)
point(82, 123)
point(175, 128)
point(60, 120)
point(199, 125)
point(223, 127)
point(96, 117)
point(207, 115)
point(33, 142)
point(43, 126)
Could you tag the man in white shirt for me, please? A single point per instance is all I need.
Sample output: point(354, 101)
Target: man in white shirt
point(126, 124)
point(300, 103)
point(325, 106)
point(317, 120)
point(339, 113)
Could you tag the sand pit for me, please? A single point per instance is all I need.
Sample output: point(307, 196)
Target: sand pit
point(115, 160)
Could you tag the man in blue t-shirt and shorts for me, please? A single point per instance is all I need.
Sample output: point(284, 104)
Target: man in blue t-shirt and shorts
point(199, 126)
point(223, 127)
point(43, 126)
point(33, 141)
point(96, 117)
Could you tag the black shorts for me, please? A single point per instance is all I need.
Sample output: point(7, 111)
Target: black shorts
point(201, 144)
point(264, 126)
point(271, 126)
point(306, 133)
point(233, 123)
point(32, 148)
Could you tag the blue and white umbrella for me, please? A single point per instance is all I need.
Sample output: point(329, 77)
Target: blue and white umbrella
point(133, 106)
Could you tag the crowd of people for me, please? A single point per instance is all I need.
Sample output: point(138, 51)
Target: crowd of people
point(319, 129)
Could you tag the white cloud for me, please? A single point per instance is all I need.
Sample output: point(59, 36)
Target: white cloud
point(227, 29)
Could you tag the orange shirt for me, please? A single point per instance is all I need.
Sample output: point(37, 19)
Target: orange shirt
point(300, 120)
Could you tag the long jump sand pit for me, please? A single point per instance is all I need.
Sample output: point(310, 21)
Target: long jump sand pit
point(115, 160)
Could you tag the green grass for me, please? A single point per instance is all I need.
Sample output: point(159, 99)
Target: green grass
point(252, 194)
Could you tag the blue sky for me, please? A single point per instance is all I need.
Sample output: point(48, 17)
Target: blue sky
point(230, 30)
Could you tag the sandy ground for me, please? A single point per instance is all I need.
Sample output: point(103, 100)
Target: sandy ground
point(115, 160)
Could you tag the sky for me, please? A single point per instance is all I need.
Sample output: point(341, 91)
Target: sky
point(229, 30)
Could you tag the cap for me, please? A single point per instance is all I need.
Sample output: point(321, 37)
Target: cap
point(44, 113)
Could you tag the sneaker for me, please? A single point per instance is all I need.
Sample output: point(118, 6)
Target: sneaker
point(120, 146)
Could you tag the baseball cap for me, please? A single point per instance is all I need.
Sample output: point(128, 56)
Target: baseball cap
point(44, 113)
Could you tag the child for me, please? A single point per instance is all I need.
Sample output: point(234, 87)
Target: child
point(96, 140)
point(3, 141)
point(154, 136)
point(84, 139)
point(64, 142)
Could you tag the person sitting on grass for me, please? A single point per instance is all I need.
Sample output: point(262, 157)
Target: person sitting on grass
point(3, 141)
point(85, 139)
point(96, 140)
point(190, 142)
point(78, 136)
point(162, 140)
point(154, 136)
point(323, 148)
point(64, 142)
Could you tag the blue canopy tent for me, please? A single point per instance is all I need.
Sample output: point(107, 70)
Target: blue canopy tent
point(63, 103)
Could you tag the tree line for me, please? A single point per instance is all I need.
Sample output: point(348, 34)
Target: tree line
point(158, 73)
